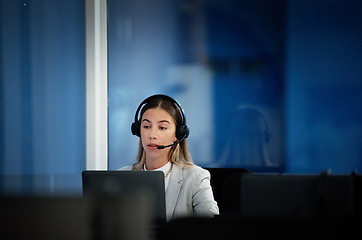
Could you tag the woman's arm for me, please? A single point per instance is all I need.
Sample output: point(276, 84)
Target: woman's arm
point(202, 197)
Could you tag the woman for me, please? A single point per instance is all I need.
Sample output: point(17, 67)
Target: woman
point(162, 130)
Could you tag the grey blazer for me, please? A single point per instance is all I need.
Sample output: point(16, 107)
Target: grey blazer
point(189, 193)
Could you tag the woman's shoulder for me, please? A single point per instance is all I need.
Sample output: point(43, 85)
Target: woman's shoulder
point(195, 171)
point(126, 168)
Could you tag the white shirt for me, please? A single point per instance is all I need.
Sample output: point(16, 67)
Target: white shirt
point(165, 168)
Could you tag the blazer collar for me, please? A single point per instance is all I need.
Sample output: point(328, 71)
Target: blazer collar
point(173, 190)
point(176, 174)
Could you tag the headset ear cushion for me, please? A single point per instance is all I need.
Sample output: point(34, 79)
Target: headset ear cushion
point(135, 129)
point(182, 131)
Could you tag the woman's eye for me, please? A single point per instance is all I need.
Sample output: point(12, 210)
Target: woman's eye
point(146, 127)
point(163, 128)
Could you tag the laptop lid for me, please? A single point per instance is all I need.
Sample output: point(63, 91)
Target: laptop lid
point(112, 184)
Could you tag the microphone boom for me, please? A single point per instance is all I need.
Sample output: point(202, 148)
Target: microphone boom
point(173, 144)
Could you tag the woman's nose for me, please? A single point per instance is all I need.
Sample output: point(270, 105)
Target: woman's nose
point(152, 134)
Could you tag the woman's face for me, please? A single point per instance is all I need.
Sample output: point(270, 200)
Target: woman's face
point(157, 128)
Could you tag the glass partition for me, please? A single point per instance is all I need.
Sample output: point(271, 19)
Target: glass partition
point(223, 62)
point(272, 86)
point(42, 89)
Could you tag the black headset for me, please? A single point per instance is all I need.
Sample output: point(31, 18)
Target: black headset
point(182, 130)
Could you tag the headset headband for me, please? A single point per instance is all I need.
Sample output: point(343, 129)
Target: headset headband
point(163, 97)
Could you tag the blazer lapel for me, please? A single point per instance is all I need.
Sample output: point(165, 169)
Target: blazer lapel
point(173, 191)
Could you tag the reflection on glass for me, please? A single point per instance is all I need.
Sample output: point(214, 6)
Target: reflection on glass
point(246, 144)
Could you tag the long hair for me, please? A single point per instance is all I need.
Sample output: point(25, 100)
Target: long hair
point(179, 154)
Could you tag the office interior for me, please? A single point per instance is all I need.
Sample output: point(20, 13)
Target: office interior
point(272, 87)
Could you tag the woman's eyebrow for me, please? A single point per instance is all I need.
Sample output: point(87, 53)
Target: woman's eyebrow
point(164, 121)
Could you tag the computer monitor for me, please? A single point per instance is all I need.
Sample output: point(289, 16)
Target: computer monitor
point(261, 195)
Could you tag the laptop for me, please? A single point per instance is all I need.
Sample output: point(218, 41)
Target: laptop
point(114, 184)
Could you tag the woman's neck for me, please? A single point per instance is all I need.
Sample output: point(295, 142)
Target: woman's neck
point(152, 164)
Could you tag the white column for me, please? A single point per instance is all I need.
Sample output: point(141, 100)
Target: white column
point(97, 85)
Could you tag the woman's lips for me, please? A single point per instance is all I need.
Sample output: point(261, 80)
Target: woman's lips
point(152, 146)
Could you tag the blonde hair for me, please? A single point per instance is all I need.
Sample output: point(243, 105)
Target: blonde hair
point(179, 154)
